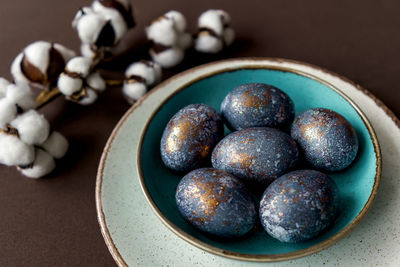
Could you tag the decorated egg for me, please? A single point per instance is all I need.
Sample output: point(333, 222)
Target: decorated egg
point(216, 202)
point(257, 105)
point(328, 141)
point(256, 154)
point(190, 136)
point(299, 205)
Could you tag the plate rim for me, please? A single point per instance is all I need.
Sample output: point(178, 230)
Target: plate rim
point(99, 179)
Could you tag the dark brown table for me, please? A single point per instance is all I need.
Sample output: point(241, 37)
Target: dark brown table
point(52, 221)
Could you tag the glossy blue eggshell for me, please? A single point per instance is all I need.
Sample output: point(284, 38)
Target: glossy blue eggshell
point(299, 205)
point(256, 154)
point(190, 136)
point(216, 202)
point(327, 140)
point(257, 105)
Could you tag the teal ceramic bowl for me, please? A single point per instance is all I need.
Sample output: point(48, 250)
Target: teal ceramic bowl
point(358, 183)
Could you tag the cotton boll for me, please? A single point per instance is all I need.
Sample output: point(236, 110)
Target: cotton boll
point(19, 77)
point(40, 63)
point(89, 27)
point(162, 31)
point(32, 127)
point(37, 54)
point(8, 111)
point(81, 12)
point(56, 145)
point(66, 53)
point(123, 8)
point(80, 65)
point(43, 165)
point(134, 91)
point(207, 43)
point(15, 152)
point(157, 72)
point(69, 85)
point(225, 17)
point(178, 18)
point(96, 82)
point(89, 99)
point(185, 41)
point(143, 70)
point(125, 3)
point(117, 22)
point(168, 58)
point(21, 95)
point(211, 19)
point(229, 36)
point(87, 51)
point(3, 87)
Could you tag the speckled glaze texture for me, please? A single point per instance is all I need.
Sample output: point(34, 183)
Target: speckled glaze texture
point(257, 105)
point(216, 202)
point(256, 154)
point(328, 141)
point(299, 205)
point(190, 136)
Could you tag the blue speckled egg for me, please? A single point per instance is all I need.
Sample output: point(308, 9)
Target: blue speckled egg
point(216, 202)
point(299, 205)
point(256, 154)
point(257, 105)
point(190, 136)
point(328, 141)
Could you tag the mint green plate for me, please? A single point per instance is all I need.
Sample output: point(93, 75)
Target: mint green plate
point(357, 184)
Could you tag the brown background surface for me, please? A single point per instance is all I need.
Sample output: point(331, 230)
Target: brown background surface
point(52, 221)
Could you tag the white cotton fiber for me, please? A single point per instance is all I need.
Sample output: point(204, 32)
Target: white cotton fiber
point(21, 95)
point(19, 77)
point(98, 7)
point(3, 87)
point(178, 18)
point(229, 36)
point(80, 13)
point(90, 98)
point(79, 65)
point(95, 81)
point(134, 90)
point(43, 165)
point(157, 72)
point(207, 43)
point(211, 19)
point(8, 111)
point(15, 152)
point(56, 145)
point(68, 85)
point(117, 21)
point(32, 127)
point(66, 53)
point(142, 70)
point(226, 18)
point(86, 51)
point(37, 54)
point(162, 31)
point(89, 27)
point(168, 58)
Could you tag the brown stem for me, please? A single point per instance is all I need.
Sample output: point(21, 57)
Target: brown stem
point(46, 96)
point(114, 83)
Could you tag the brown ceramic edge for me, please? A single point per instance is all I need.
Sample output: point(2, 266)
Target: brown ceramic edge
point(254, 257)
point(101, 217)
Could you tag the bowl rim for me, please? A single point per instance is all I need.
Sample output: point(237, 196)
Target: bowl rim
point(204, 246)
